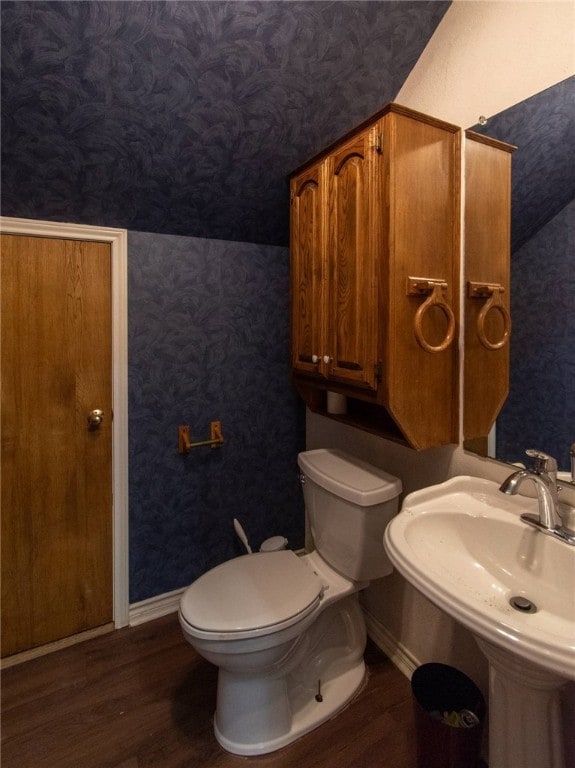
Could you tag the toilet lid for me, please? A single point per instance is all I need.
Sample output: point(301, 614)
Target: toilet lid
point(249, 594)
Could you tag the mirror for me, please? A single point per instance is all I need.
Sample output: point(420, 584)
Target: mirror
point(540, 409)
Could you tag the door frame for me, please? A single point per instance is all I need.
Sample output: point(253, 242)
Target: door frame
point(118, 240)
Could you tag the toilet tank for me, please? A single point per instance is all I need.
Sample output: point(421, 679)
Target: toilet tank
point(348, 504)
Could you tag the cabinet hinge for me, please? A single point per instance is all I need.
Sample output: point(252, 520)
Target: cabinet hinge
point(378, 370)
point(378, 144)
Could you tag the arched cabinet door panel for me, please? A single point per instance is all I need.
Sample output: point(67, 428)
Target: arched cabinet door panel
point(308, 271)
point(352, 327)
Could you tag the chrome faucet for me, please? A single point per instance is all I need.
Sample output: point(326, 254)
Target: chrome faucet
point(544, 476)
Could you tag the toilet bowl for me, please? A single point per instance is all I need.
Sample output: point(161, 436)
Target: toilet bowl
point(287, 632)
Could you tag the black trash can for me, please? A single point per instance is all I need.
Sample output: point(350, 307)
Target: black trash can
point(449, 713)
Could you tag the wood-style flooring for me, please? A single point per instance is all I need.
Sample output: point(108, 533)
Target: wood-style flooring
point(141, 697)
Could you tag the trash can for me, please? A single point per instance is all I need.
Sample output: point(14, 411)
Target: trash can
point(449, 712)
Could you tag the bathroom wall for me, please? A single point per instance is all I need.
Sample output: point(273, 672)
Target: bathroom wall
point(149, 116)
point(542, 359)
point(208, 340)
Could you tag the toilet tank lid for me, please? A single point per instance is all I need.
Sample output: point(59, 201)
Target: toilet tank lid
point(350, 478)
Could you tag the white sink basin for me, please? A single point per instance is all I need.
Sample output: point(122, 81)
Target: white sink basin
point(462, 544)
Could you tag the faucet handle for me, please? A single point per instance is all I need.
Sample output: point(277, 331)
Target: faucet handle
point(543, 463)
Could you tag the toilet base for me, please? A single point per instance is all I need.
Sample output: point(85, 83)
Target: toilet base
point(336, 694)
point(318, 676)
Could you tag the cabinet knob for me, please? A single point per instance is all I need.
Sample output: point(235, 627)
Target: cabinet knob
point(324, 359)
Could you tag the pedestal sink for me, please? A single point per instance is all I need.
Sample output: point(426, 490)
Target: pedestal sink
point(463, 545)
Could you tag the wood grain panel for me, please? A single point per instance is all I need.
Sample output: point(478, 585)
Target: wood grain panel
point(56, 490)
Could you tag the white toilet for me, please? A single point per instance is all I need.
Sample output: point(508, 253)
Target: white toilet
point(287, 632)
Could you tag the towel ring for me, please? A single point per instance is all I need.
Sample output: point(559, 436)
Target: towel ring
point(496, 304)
point(435, 300)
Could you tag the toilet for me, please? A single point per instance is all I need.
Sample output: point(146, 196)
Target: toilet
point(286, 631)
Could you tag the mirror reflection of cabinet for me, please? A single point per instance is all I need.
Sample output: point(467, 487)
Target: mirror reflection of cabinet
point(487, 244)
point(540, 407)
point(375, 277)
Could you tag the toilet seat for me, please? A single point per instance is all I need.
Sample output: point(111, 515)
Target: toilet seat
point(250, 596)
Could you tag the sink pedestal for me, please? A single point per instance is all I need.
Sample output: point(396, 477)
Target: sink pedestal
point(525, 727)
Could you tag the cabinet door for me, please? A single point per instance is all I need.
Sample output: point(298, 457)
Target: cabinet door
point(352, 330)
point(308, 272)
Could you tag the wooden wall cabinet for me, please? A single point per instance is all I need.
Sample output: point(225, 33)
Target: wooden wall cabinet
point(487, 282)
point(375, 277)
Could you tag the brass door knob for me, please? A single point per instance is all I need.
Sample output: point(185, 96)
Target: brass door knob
point(95, 418)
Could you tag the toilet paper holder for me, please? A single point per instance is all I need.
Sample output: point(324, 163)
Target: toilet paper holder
point(216, 437)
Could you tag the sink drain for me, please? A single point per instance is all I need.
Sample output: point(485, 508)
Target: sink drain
point(522, 604)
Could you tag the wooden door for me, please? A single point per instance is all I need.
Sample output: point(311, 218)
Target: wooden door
point(308, 271)
point(56, 470)
point(352, 257)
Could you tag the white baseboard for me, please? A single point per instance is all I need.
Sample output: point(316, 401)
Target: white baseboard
point(396, 652)
point(155, 607)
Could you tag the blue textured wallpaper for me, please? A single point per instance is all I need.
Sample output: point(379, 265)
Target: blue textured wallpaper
point(540, 409)
point(208, 339)
point(185, 117)
point(543, 167)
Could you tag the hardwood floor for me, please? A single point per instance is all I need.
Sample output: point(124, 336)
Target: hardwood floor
point(141, 697)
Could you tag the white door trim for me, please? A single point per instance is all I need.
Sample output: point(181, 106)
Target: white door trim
point(118, 240)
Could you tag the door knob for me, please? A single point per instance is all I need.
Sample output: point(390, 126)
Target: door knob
point(95, 418)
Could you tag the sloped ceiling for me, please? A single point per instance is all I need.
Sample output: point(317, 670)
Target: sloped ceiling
point(186, 117)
